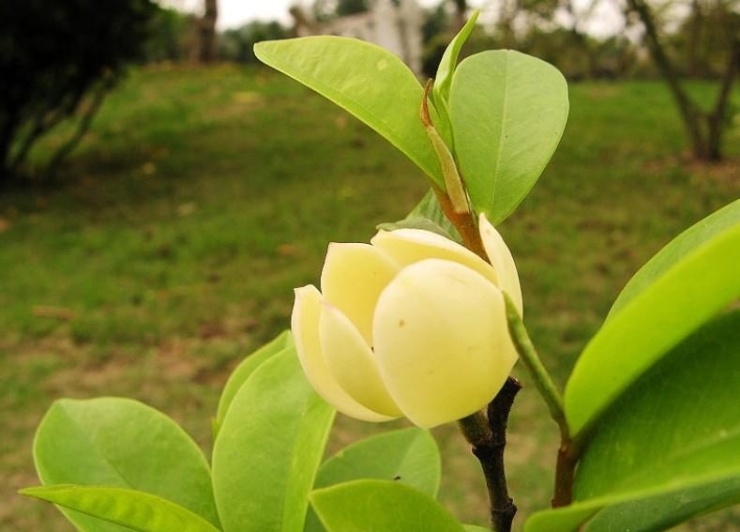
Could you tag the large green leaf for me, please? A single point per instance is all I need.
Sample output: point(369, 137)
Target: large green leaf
point(269, 448)
point(409, 456)
point(640, 511)
point(133, 509)
point(122, 443)
point(380, 506)
point(667, 450)
point(508, 112)
point(368, 81)
point(244, 370)
point(679, 247)
point(693, 290)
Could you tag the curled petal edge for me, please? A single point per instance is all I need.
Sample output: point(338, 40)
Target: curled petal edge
point(305, 326)
point(502, 261)
point(352, 362)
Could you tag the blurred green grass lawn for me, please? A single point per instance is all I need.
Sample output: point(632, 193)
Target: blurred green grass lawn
point(170, 248)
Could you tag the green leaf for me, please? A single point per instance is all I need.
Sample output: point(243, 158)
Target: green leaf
point(640, 511)
point(476, 528)
point(368, 81)
point(269, 448)
point(667, 450)
point(244, 370)
point(409, 456)
point(122, 443)
point(427, 215)
point(693, 290)
point(443, 80)
point(674, 251)
point(380, 506)
point(508, 112)
point(133, 509)
point(448, 63)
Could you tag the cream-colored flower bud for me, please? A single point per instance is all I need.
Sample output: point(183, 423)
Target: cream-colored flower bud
point(411, 325)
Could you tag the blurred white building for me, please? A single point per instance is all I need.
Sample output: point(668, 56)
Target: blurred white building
point(393, 24)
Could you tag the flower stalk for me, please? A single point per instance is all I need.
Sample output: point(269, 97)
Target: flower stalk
point(567, 452)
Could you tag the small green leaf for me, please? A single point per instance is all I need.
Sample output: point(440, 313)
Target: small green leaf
point(409, 456)
point(133, 509)
point(427, 215)
point(443, 81)
point(368, 81)
point(122, 443)
point(448, 63)
point(244, 370)
point(380, 506)
point(269, 448)
point(674, 251)
point(453, 182)
point(667, 450)
point(508, 112)
point(693, 290)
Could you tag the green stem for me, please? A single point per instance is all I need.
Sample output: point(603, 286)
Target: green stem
point(568, 452)
point(528, 354)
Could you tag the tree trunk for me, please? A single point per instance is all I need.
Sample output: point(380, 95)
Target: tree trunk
point(461, 8)
point(694, 65)
point(717, 119)
point(703, 129)
point(207, 32)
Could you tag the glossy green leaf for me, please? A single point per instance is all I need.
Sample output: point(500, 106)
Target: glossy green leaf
point(641, 511)
point(122, 443)
point(667, 450)
point(269, 448)
point(409, 456)
point(427, 215)
point(380, 506)
point(673, 252)
point(508, 112)
point(366, 80)
point(133, 509)
point(244, 370)
point(687, 295)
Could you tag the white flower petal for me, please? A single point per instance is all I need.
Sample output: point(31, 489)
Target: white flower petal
point(305, 326)
point(500, 256)
point(352, 363)
point(441, 341)
point(352, 279)
point(407, 246)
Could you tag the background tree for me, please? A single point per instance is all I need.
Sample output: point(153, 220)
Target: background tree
point(168, 39)
point(206, 32)
point(323, 10)
point(704, 128)
point(237, 44)
point(59, 59)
